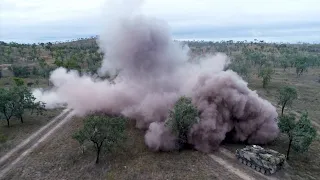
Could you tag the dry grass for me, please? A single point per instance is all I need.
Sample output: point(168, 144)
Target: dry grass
point(62, 159)
point(136, 161)
point(18, 131)
point(301, 166)
point(307, 86)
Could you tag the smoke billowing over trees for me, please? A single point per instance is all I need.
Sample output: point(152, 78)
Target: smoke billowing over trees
point(154, 72)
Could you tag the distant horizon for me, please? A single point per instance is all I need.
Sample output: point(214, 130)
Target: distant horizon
point(66, 40)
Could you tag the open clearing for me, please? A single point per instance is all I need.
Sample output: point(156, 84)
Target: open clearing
point(60, 157)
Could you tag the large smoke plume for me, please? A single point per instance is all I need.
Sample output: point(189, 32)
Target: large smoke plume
point(154, 72)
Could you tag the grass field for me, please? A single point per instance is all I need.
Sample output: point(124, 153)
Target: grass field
point(307, 85)
point(63, 159)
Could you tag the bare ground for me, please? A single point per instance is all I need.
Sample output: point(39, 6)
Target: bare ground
point(228, 159)
point(61, 158)
point(8, 161)
point(18, 132)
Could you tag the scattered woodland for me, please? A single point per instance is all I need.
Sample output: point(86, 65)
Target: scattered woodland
point(288, 75)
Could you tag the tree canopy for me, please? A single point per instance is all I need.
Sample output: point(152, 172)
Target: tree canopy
point(105, 132)
point(16, 99)
point(286, 97)
point(266, 74)
point(300, 134)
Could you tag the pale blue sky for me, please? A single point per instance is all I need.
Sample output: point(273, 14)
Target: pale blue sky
point(31, 21)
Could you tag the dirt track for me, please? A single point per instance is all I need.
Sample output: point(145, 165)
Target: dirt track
point(9, 160)
point(227, 159)
point(224, 163)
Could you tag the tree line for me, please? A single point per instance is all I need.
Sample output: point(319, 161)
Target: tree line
point(27, 59)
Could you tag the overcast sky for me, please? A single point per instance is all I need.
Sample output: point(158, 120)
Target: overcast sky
point(31, 21)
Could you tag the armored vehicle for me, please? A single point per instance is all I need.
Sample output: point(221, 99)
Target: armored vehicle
point(266, 161)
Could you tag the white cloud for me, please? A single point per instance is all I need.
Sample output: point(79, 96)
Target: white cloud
point(55, 18)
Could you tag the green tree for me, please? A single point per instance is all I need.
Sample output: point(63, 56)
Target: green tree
point(7, 104)
point(242, 68)
point(18, 81)
point(266, 75)
point(181, 119)
point(301, 65)
point(102, 131)
point(59, 63)
point(286, 97)
point(258, 58)
point(300, 134)
point(25, 100)
point(49, 46)
point(45, 69)
point(284, 63)
point(15, 100)
point(20, 71)
point(69, 64)
point(20, 92)
point(72, 64)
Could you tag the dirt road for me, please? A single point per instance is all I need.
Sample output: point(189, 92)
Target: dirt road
point(227, 159)
point(9, 160)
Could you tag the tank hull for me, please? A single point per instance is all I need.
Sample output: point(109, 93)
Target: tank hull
point(265, 161)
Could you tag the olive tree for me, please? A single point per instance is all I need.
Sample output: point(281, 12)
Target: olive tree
point(300, 134)
point(103, 131)
point(286, 97)
point(181, 119)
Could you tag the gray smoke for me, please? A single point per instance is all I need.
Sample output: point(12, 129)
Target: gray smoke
point(154, 72)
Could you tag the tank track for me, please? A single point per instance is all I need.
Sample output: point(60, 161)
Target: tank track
point(254, 166)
